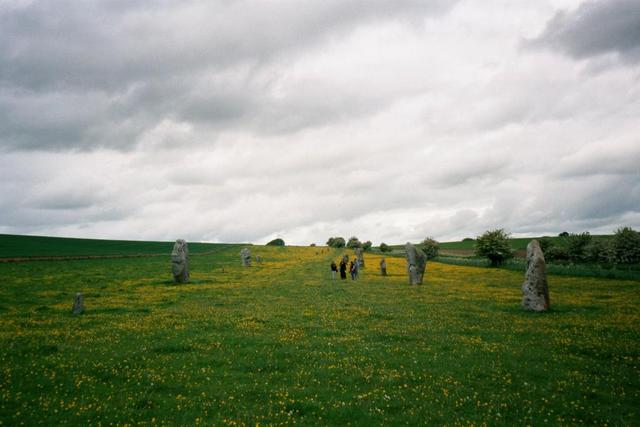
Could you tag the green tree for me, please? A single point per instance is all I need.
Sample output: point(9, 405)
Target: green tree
point(601, 251)
point(354, 243)
point(577, 247)
point(430, 247)
point(494, 245)
point(556, 253)
point(336, 242)
point(384, 247)
point(546, 243)
point(276, 242)
point(367, 245)
point(626, 243)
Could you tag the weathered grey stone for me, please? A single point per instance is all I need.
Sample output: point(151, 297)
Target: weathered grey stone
point(258, 259)
point(383, 267)
point(180, 262)
point(416, 264)
point(535, 289)
point(360, 257)
point(245, 256)
point(78, 304)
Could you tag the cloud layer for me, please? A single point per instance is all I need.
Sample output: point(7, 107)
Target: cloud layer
point(245, 121)
point(596, 28)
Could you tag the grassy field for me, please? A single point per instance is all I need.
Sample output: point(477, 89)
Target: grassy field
point(13, 246)
point(281, 343)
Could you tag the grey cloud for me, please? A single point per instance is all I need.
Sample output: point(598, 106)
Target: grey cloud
point(482, 168)
point(108, 44)
point(595, 28)
point(81, 75)
point(606, 199)
point(604, 159)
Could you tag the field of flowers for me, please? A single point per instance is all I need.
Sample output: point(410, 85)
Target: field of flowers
point(281, 343)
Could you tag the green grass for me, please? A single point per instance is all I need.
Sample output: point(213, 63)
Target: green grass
point(576, 270)
point(14, 246)
point(280, 343)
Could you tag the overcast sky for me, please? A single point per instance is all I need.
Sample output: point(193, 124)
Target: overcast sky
point(242, 121)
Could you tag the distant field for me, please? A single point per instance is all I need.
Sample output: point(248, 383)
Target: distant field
point(280, 343)
point(13, 246)
point(518, 243)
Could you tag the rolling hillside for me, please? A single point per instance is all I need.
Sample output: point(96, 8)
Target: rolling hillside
point(15, 246)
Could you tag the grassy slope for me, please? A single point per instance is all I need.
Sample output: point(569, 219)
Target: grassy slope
point(280, 343)
point(12, 246)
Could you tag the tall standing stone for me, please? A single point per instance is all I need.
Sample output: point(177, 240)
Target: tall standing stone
point(180, 262)
point(535, 290)
point(245, 257)
point(360, 257)
point(383, 267)
point(78, 304)
point(416, 264)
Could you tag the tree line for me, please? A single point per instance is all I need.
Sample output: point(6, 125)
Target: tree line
point(622, 248)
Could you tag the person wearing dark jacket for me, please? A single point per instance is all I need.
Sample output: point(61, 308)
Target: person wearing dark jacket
point(343, 270)
point(334, 270)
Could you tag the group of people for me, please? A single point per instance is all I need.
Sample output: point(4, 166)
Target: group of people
point(353, 269)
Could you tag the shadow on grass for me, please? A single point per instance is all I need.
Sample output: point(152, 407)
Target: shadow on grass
point(39, 350)
point(117, 310)
point(172, 349)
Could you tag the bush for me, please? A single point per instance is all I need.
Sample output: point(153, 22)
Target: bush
point(546, 243)
point(563, 234)
point(336, 242)
point(313, 245)
point(556, 254)
point(354, 243)
point(601, 252)
point(430, 247)
point(384, 247)
point(577, 247)
point(468, 239)
point(494, 245)
point(367, 245)
point(276, 242)
point(626, 243)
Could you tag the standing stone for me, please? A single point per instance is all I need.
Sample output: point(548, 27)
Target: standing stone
point(78, 304)
point(245, 256)
point(535, 290)
point(383, 267)
point(180, 261)
point(416, 264)
point(258, 259)
point(360, 257)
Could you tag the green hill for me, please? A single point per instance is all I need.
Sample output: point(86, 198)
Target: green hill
point(16, 246)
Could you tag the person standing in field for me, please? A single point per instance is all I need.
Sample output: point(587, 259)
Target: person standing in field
point(343, 270)
point(352, 270)
point(383, 267)
point(334, 270)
